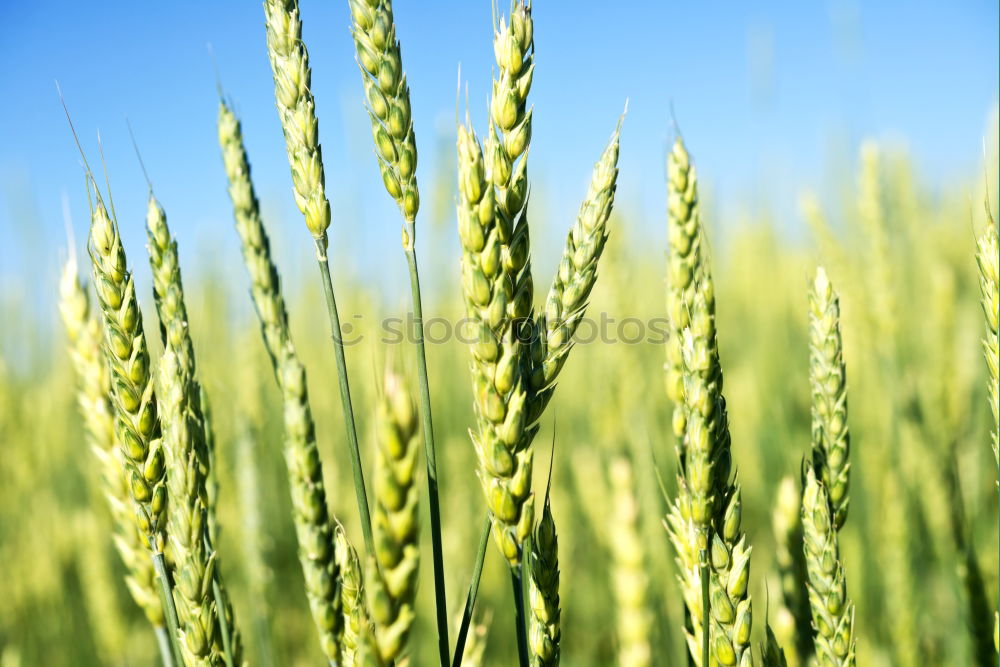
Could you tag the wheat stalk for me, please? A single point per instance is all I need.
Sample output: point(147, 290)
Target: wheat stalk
point(630, 580)
point(831, 443)
point(392, 579)
point(544, 631)
point(94, 400)
point(305, 471)
point(832, 610)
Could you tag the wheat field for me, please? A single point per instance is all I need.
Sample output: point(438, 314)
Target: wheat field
point(190, 477)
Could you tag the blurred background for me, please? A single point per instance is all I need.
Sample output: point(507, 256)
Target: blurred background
point(859, 136)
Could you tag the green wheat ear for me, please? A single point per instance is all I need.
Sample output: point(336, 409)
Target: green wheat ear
point(96, 408)
point(831, 442)
point(832, 610)
point(388, 96)
point(392, 575)
point(544, 631)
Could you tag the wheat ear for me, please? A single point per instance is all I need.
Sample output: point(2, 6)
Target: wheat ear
point(355, 627)
point(503, 470)
point(988, 258)
point(704, 522)
point(388, 97)
point(392, 583)
point(94, 399)
point(187, 517)
point(297, 112)
point(575, 278)
point(683, 268)
point(831, 442)
point(313, 526)
point(832, 610)
point(137, 425)
point(630, 579)
point(189, 441)
point(791, 626)
point(544, 631)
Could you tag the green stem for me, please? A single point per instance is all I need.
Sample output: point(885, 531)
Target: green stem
point(440, 597)
point(345, 395)
point(705, 610)
point(220, 609)
point(517, 581)
point(470, 599)
point(169, 610)
point(166, 648)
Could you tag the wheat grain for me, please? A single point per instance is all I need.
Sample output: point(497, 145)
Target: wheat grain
point(544, 632)
point(94, 399)
point(832, 610)
point(831, 442)
point(393, 580)
point(305, 472)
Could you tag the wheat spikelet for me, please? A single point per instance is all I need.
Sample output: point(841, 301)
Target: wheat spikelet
point(629, 573)
point(388, 96)
point(771, 653)
point(94, 399)
point(297, 111)
point(393, 575)
point(305, 473)
point(832, 610)
point(543, 592)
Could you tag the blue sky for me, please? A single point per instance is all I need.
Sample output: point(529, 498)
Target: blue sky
point(771, 97)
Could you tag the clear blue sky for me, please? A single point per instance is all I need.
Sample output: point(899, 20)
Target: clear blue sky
point(787, 86)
